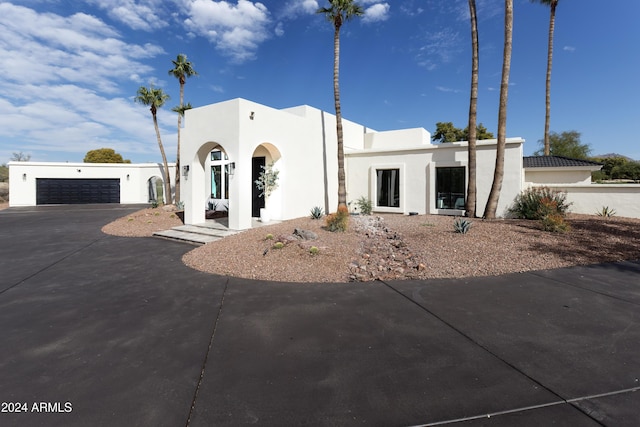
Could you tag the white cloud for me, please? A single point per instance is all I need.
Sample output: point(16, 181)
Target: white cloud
point(235, 29)
point(279, 29)
point(294, 8)
point(439, 47)
point(376, 13)
point(61, 85)
point(136, 14)
point(447, 89)
point(569, 49)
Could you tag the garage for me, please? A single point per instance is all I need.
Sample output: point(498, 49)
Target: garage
point(62, 191)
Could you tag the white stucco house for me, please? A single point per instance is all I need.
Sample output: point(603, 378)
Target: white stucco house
point(47, 183)
point(225, 144)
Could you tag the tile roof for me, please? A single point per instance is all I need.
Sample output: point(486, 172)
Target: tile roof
point(555, 162)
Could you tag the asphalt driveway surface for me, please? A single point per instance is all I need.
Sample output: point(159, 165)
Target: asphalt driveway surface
point(108, 331)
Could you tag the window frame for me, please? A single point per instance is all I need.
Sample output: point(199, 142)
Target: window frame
point(373, 193)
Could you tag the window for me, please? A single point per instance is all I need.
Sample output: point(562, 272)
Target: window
point(388, 187)
point(219, 180)
point(450, 188)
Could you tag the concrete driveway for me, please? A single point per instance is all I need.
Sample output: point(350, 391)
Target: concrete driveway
point(108, 331)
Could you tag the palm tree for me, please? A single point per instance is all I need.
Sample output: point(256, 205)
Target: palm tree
point(547, 117)
point(338, 12)
point(182, 69)
point(498, 174)
point(473, 114)
point(155, 99)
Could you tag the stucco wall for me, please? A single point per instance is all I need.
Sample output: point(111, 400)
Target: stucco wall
point(564, 176)
point(589, 199)
point(133, 178)
point(418, 173)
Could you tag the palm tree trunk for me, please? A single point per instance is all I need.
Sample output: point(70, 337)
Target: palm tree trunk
point(473, 114)
point(498, 175)
point(167, 182)
point(547, 117)
point(342, 188)
point(178, 150)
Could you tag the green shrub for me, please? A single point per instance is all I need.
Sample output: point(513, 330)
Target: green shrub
point(317, 212)
point(278, 245)
point(313, 250)
point(606, 212)
point(528, 203)
point(461, 225)
point(155, 204)
point(338, 221)
point(268, 237)
point(365, 205)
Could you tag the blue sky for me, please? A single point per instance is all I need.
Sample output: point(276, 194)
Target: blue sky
point(71, 68)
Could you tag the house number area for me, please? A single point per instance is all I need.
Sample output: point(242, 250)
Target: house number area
point(40, 407)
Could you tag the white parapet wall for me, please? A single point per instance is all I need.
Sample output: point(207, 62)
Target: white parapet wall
point(134, 178)
point(589, 199)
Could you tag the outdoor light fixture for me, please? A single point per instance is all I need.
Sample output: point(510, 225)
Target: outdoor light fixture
point(252, 115)
point(185, 171)
point(79, 170)
point(24, 176)
point(232, 168)
point(127, 177)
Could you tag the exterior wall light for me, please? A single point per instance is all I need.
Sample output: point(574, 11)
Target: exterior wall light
point(127, 177)
point(232, 168)
point(24, 176)
point(252, 115)
point(185, 171)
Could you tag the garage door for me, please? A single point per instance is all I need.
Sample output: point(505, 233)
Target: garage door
point(57, 191)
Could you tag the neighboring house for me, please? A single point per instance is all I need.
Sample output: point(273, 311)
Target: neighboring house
point(225, 144)
point(544, 170)
point(45, 183)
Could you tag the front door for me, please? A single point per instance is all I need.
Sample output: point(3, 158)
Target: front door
point(257, 202)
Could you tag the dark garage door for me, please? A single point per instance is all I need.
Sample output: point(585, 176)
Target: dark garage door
point(60, 191)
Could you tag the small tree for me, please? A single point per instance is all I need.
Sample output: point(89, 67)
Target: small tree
point(565, 144)
point(267, 181)
point(104, 155)
point(20, 157)
point(447, 132)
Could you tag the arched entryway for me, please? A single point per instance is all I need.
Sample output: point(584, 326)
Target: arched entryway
point(264, 154)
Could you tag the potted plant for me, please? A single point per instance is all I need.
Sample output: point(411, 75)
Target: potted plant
point(267, 182)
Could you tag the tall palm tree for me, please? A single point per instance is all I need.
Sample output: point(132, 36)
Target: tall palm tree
point(498, 174)
point(338, 12)
point(547, 117)
point(155, 99)
point(473, 114)
point(182, 69)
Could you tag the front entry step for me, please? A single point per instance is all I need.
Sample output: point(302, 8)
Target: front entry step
point(196, 234)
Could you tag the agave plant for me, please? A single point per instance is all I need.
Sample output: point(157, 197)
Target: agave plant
point(462, 225)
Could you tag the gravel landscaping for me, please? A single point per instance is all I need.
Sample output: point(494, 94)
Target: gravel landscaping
point(390, 247)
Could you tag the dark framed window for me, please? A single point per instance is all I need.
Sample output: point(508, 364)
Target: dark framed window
point(450, 188)
point(388, 187)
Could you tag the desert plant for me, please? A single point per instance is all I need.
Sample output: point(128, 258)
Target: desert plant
point(528, 203)
point(316, 212)
point(180, 205)
point(313, 250)
point(339, 220)
point(365, 205)
point(267, 181)
point(154, 204)
point(278, 245)
point(555, 223)
point(606, 212)
point(268, 237)
point(461, 225)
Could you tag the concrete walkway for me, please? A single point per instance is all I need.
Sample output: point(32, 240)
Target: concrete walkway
point(107, 331)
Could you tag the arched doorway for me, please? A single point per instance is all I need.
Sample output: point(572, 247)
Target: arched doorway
point(264, 154)
point(155, 189)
